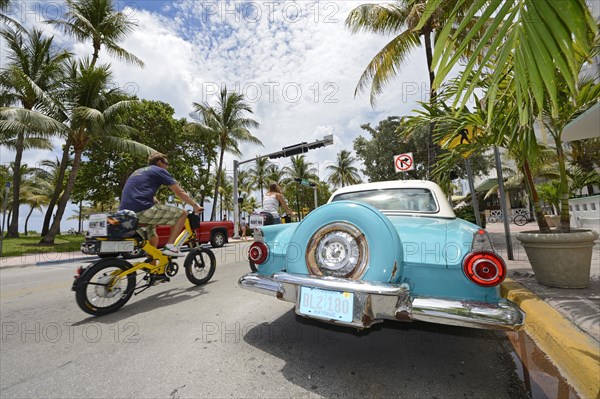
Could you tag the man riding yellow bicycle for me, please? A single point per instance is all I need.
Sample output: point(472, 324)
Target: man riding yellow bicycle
point(139, 196)
point(108, 284)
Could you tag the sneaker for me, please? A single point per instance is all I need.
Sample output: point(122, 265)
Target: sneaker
point(171, 250)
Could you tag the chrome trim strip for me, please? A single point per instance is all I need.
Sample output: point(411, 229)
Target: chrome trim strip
point(339, 284)
point(374, 302)
point(504, 315)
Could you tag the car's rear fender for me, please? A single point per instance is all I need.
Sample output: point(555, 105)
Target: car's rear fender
point(278, 239)
point(434, 242)
point(446, 283)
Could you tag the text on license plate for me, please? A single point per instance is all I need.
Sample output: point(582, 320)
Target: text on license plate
point(331, 305)
point(116, 246)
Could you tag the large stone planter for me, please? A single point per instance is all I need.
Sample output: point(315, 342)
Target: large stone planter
point(560, 259)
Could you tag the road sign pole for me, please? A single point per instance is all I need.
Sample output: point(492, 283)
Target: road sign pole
point(315, 196)
point(509, 249)
point(297, 201)
point(236, 216)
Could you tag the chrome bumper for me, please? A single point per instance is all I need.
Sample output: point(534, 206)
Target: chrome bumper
point(374, 302)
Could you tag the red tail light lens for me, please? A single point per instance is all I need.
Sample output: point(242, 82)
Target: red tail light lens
point(258, 253)
point(485, 268)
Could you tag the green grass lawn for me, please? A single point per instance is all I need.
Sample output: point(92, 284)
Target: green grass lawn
point(29, 245)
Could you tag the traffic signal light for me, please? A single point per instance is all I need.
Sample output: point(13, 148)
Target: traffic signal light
point(301, 148)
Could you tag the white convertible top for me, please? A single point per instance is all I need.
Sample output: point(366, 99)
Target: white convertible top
point(444, 210)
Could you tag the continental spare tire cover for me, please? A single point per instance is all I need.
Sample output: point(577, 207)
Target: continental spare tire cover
point(346, 239)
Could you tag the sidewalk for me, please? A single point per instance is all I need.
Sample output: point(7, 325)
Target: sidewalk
point(564, 323)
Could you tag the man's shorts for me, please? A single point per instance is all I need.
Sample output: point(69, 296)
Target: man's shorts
point(158, 214)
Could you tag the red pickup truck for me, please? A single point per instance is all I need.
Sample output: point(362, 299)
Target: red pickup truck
point(217, 233)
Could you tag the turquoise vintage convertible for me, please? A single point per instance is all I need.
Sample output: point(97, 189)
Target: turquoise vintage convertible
point(389, 250)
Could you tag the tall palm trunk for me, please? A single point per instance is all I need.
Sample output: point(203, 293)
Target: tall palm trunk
point(431, 152)
point(13, 228)
point(217, 183)
point(537, 203)
point(59, 187)
point(64, 199)
point(27, 220)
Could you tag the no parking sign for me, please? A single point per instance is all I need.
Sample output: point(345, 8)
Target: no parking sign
point(404, 162)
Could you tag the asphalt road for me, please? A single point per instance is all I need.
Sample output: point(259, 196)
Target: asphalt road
point(178, 340)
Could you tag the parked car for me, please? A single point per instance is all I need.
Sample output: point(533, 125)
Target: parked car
point(216, 233)
point(389, 250)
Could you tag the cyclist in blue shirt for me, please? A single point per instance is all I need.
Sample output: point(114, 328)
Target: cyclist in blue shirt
point(139, 195)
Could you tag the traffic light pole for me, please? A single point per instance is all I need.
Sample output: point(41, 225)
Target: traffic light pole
point(285, 152)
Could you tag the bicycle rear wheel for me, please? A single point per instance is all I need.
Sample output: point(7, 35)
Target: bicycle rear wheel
point(520, 220)
point(101, 291)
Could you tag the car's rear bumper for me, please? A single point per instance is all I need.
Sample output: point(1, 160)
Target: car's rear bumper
point(374, 302)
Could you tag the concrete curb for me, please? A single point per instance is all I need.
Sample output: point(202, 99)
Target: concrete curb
point(573, 352)
point(42, 259)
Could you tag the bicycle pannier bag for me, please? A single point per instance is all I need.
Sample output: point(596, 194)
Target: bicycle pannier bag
point(121, 224)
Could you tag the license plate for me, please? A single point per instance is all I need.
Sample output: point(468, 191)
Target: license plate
point(325, 304)
point(116, 246)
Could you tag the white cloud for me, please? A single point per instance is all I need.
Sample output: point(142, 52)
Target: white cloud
point(296, 61)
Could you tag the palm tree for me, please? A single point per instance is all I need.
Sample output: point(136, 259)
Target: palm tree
point(209, 141)
point(408, 21)
point(98, 20)
point(227, 121)
point(274, 174)
point(343, 172)
point(246, 182)
point(543, 38)
point(94, 20)
point(260, 172)
point(300, 169)
point(33, 71)
point(5, 7)
point(249, 205)
point(94, 111)
point(35, 192)
point(568, 109)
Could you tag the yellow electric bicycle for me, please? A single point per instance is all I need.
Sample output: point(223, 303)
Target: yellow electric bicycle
point(107, 285)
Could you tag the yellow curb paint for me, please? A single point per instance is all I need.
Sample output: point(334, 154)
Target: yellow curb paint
point(575, 354)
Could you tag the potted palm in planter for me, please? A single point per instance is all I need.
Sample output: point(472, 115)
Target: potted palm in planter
point(562, 258)
point(544, 59)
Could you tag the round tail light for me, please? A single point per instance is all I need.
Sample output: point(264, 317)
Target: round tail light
point(258, 252)
point(485, 268)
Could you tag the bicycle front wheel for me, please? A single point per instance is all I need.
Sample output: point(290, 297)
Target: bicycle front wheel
point(102, 292)
point(520, 220)
point(200, 265)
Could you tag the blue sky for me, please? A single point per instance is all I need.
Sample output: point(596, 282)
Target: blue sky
point(295, 61)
